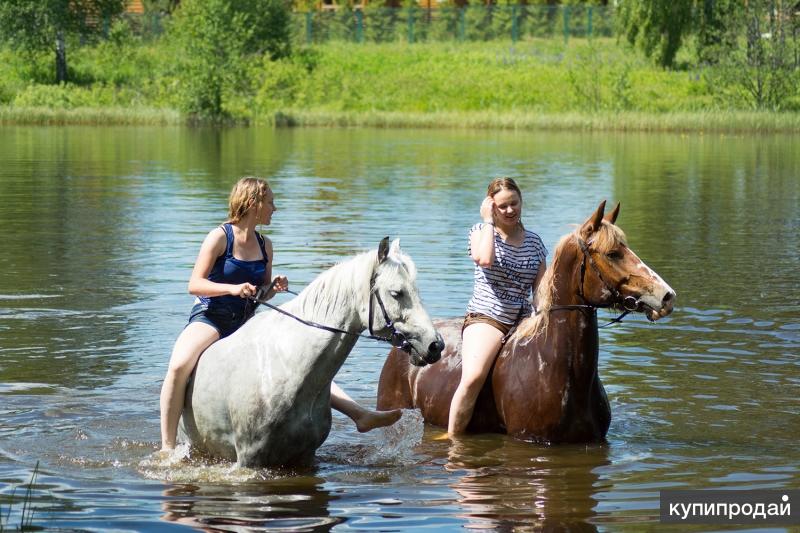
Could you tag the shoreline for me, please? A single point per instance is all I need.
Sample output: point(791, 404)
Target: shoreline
point(624, 121)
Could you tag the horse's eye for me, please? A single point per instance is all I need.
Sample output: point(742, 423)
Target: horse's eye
point(614, 255)
point(396, 294)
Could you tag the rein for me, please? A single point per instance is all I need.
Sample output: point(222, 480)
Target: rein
point(629, 303)
point(398, 339)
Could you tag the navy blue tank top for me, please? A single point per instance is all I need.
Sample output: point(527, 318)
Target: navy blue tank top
point(228, 269)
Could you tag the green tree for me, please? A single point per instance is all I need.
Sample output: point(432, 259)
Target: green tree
point(214, 39)
point(160, 6)
point(270, 22)
point(210, 36)
point(757, 57)
point(34, 26)
point(714, 20)
point(658, 27)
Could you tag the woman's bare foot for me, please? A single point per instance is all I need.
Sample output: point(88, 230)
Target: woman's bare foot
point(370, 420)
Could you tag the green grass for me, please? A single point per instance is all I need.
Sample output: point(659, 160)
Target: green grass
point(761, 122)
point(543, 83)
point(27, 511)
point(48, 116)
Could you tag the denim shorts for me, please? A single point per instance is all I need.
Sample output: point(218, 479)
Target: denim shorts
point(224, 320)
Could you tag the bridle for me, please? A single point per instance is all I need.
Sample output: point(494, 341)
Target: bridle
point(628, 303)
point(397, 338)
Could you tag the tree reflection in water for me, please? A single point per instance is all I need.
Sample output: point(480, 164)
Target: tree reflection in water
point(511, 484)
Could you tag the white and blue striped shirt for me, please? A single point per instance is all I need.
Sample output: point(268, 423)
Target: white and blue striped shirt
point(505, 287)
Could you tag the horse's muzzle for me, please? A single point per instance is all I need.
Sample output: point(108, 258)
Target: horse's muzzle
point(433, 354)
point(667, 305)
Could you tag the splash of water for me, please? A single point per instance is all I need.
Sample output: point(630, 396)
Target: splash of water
point(393, 445)
point(180, 466)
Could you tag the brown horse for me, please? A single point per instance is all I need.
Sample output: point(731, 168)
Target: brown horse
point(544, 385)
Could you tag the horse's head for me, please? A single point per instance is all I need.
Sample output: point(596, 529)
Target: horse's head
point(399, 313)
point(612, 274)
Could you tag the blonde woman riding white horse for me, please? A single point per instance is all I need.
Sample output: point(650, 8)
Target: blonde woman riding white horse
point(262, 396)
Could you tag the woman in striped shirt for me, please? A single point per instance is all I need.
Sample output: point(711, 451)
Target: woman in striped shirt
point(509, 262)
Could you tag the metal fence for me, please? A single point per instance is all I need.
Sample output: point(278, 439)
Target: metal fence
point(472, 23)
point(417, 24)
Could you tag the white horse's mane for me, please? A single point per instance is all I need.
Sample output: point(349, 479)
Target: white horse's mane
point(348, 282)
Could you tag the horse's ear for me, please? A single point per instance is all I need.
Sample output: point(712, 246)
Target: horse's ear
point(394, 249)
point(612, 216)
point(383, 249)
point(594, 222)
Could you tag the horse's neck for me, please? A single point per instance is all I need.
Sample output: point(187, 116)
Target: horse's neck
point(338, 299)
point(573, 331)
point(567, 280)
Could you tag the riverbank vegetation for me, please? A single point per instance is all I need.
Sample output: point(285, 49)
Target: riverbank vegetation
point(209, 64)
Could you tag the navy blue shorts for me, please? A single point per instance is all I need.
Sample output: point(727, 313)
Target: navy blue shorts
point(224, 320)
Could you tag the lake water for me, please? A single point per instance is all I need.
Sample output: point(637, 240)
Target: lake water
point(101, 227)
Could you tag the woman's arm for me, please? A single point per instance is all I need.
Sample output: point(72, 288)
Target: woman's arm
point(199, 285)
point(481, 242)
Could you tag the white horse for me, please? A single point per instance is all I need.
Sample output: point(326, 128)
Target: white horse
point(261, 396)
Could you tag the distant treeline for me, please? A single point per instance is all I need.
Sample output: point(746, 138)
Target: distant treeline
point(255, 60)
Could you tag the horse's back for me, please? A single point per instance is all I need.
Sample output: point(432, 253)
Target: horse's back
point(431, 388)
point(405, 386)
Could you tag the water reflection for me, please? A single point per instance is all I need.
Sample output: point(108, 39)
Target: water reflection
point(101, 226)
point(299, 503)
point(504, 484)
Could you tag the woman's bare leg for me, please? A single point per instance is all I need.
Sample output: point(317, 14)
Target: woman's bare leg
point(480, 345)
point(365, 419)
point(191, 343)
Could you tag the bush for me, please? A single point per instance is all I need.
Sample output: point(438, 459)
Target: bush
point(70, 96)
point(214, 41)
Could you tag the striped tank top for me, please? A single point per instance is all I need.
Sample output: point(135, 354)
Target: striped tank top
point(503, 290)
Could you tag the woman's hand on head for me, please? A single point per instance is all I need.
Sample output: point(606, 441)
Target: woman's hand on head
point(244, 290)
point(280, 284)
point(487, 210)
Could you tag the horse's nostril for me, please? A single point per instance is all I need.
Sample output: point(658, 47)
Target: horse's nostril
point(668, 298)
point(434, 352)
point(436, 347)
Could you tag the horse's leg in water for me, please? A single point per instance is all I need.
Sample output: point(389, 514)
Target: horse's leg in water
point(365, 419)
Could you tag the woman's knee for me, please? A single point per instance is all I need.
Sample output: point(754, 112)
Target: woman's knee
point(471, 385)
point(189, 346)
point(182, 362)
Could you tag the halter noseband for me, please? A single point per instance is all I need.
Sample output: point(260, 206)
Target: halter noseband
point(398, 339)
point(629, 303)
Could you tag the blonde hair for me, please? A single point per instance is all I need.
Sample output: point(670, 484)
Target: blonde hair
point(603, 240)
point(498, 184)
point(246, 194)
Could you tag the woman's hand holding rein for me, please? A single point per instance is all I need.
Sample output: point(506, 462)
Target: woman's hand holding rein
point(248, 290)
point(243, 290)
point(280, 284)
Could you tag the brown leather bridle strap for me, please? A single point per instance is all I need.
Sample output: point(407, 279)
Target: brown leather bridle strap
point(587, 258)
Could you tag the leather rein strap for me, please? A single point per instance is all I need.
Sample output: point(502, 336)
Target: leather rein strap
point(398, 340)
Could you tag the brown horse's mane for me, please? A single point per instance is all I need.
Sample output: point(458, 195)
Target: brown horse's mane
point(606, 238)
